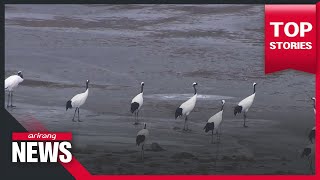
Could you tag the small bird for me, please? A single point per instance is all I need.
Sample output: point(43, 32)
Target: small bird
point(77, 101)
point(312, 133)
point(136, 104)
point(10, 84)
point(141, 139)
point(245, 104)
point(214, 122)
point(309, 153)
point(186, 107)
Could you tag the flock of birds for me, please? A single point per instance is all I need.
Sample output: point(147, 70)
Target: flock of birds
point(184, 109)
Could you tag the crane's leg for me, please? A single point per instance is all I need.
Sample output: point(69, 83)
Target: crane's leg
point(187, 125)
point(138, 117)
point(75, 111)
point(244, 119)
point(310, 163)
point(12, 100)
point(141, 153)
point(135, 118)
point(142, 157)
point(8, 99)
point(185, 122)
point(79, 115)
point(212, 137)
point(218, 136)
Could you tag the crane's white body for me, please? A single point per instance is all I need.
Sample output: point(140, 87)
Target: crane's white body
point(246, 103)
point(12, 82)
point(216, 119)
point(79, 99)
point(138, 99)
point(145, 133)
point(188, 106)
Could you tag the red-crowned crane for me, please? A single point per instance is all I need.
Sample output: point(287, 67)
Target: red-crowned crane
point(186, 107)
point(10, 84)
point(214, 122)
point(77, 101)
point(245, 105)
point(136, 104)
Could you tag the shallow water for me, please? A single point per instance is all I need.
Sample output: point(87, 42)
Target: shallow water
point(59, 47)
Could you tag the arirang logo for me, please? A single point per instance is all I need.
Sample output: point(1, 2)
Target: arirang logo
point(39, 147)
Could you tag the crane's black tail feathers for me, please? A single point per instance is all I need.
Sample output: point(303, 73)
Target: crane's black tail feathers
point(140, 139)
point(68, 105)
point(134, 106)
point(306, 152)
point(178, 113)
point(237, 109)
point(312, 135)
point(208, 127)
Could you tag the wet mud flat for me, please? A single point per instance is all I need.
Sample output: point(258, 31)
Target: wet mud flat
point(105, 144)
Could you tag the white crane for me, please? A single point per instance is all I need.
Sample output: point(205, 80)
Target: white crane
point(77, 101)
point(141, 139)
point(245, 104)
point(309, 153)
point(10, 84)
point(186, 107)
point(314, 104)
point(312, 133)
point(136, 104)
point(214, 122)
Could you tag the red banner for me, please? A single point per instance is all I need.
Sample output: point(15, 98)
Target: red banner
point(290, 38)
point(42, 136)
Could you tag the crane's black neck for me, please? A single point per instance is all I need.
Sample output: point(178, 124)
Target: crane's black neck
point(142, 88)
point(222, 107)
point(145, 126)
point(87, 85)
point(254, 88)
point(195, 89)
point(20, 74)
